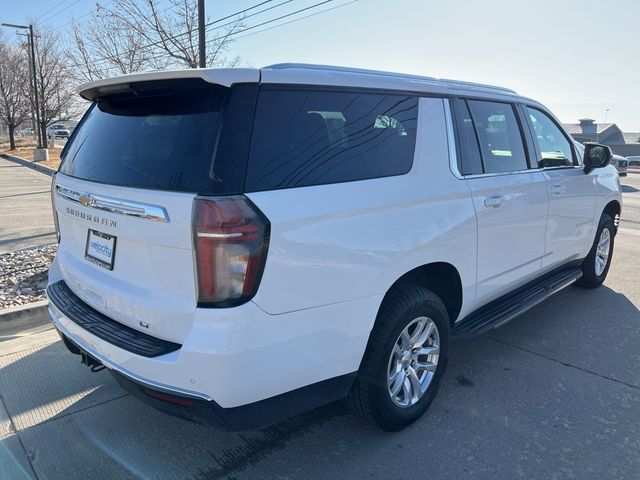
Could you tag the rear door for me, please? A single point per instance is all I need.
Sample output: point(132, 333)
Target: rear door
point(124, 198)
point(572, 194)
point(510, 198)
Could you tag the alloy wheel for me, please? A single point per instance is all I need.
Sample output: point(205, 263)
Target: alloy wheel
point(413, 362)
point(602, 251)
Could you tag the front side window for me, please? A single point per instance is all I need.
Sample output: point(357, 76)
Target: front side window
point(499, 136)
point(554, 147)
point(310, 137)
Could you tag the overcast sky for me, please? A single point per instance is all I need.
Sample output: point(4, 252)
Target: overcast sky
point(577, 57)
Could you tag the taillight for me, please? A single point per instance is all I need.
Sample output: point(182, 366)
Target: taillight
point(231, 237)
point(53, 207)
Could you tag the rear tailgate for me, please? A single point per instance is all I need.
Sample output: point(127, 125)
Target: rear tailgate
point(144, 278)
point(124, 198)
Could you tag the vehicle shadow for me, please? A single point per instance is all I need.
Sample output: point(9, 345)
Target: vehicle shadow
point(518, 394)
point(629, 189)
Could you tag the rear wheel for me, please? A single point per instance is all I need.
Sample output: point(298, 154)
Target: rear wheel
point(596, 265)
point(404, 361)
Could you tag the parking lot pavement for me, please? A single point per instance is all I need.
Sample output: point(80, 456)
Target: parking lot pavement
point(631, 201)
point(25, 208)
point(554, 394)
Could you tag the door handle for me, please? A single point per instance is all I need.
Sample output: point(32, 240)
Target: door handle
point(557, 189)
point(496, 201)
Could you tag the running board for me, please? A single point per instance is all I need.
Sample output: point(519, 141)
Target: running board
point(506, 308)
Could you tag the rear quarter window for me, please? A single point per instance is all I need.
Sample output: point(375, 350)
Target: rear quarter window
point(310, 137)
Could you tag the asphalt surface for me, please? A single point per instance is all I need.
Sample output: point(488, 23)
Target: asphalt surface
point(25, 208)
point(631, 201)
point(555, 394)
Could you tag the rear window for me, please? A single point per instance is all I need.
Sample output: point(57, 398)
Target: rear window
point(155, 137)
point(303, 137)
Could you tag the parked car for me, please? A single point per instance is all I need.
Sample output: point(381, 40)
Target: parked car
point(620, 163)
point(633, 161)
point(350, 224)
point(58, 131)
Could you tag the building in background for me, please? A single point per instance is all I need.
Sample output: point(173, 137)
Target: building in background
point(625, 144)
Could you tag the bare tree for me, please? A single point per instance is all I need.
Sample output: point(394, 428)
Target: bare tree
point(105, 46)
point(54, 81)
point(130, 35)
point(14, 75)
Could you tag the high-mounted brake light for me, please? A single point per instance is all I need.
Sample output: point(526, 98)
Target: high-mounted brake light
point(231, 238)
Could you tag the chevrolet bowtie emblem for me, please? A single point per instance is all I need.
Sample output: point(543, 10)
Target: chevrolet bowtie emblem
point(85, 200)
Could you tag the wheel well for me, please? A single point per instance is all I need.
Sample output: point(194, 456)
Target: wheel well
point(613, 210)
point(442, 279)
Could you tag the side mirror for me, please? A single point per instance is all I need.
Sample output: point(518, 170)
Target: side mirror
point(596, 156)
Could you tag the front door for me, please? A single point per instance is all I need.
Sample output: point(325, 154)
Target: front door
point(571, 193)
point(510, 199)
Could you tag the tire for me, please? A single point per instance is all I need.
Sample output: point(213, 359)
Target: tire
point(370, 395)
point(592, 274)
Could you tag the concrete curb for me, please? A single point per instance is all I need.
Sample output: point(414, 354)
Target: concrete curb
point(24, 316)
point(28, 164)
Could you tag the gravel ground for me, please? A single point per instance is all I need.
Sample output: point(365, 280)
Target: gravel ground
point(23, 275)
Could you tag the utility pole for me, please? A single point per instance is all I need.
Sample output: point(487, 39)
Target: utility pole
point(41, 134)
point(202, 54)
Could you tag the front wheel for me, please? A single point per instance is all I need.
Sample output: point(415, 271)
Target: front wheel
point(405, 359)
point(596, 265)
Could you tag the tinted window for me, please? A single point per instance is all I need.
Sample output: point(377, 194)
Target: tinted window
point(499, 136)
point(555, 149)
point(157, 139)
point(303, 138)
point(467, 140)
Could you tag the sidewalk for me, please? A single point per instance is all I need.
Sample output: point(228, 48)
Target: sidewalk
point(25, 207)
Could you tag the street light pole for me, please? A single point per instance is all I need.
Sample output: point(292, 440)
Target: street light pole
point(35, 88)
point(202, 57)
point(35, 78)
point(34, 126)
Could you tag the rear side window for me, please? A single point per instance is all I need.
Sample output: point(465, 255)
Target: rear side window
point(303, 138)
point(157, 137)
point(499, 136)
point(471, 162)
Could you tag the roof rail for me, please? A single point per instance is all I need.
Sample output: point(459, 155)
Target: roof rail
point(452, 83)
point(309, 66)
point(463, 83)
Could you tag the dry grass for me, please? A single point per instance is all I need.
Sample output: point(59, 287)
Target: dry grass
point(24, 149)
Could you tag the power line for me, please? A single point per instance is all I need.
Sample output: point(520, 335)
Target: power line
point(52, 8)
point(178, 35)
point(173, 37)
point(273, 20)
point(170, 7)
point(252, 27)
point(298, 19)
point(109, 2)
point(62, 10)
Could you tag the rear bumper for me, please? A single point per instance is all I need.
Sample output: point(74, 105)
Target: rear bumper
point(197, 409)
point(232, 360)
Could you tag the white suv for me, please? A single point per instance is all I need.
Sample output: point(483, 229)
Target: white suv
point(242, 245)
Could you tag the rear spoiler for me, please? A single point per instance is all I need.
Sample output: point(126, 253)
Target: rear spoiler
point(220, 76)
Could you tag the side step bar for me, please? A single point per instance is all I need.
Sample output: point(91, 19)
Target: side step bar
point(506, 308)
